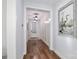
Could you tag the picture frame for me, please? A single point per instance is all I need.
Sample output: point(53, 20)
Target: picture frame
point(67, 19)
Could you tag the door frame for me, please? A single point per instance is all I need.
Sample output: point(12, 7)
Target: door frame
point(25, 24)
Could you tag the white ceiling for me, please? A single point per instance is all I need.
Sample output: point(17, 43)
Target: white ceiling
point(44, 2)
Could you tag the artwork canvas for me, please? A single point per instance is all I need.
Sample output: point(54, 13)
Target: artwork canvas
point(66, 19)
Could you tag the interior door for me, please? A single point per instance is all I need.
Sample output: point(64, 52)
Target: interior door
point(33, 28)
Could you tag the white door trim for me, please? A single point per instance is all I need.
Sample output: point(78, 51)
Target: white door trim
point(25, 23)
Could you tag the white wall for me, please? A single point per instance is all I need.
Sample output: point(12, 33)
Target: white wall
point(65, 46)
point(4, 14)
point(19, 29)
point(15, 38)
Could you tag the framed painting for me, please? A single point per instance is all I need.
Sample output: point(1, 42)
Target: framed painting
point(67, 19)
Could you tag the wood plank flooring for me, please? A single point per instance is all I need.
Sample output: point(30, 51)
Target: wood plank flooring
point(37, 49)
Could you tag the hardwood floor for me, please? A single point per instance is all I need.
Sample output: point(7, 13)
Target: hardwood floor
point(37, 49)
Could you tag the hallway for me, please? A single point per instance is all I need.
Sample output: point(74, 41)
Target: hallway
point(39, 29)
point(37, 49)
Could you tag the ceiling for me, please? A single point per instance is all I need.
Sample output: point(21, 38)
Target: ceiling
point(44, 2)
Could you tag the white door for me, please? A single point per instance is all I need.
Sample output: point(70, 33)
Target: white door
point(33, 28)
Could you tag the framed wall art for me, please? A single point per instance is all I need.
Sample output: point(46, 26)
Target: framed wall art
point(67, 19)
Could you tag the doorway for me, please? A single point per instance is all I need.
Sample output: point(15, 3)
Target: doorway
point(38, 25)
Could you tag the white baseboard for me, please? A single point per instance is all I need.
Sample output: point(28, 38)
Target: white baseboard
point(63, 56)
point(59, 54)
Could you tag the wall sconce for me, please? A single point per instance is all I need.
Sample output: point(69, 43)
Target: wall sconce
point(47, 21)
